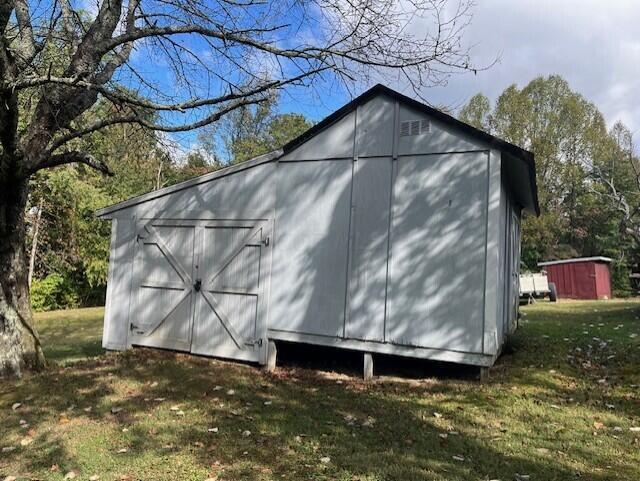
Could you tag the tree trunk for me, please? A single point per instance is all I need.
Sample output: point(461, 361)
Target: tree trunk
point(19, 343)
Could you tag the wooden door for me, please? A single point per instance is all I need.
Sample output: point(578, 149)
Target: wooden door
point(162, 288)
point(231, 306)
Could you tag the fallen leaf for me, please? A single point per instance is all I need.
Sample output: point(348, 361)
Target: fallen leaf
point(26, 441)
point(8, 449)
point(179, 413)
point(54, 468)
point(174, 408)
point(94, 477)
point(10, 478)
point(635, 429)
point(115, 410)
point(246, 434)
point(458, 457)
point(154, 383)
point(598, 425)
point(70, 475)
point(325, 460)
point(123, 450)
point(267, 403)
point(213, 430)
point(437, 415)
point(230, 392)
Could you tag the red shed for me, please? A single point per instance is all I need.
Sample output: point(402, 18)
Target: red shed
point(580, 278)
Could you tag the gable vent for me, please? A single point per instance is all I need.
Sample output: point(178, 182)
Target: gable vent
point(414, 127)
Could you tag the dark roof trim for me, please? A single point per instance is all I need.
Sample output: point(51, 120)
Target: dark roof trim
point(379, 89)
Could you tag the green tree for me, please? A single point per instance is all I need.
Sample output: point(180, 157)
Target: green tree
point(476, 112)
point(588, 181)
point(251, 131)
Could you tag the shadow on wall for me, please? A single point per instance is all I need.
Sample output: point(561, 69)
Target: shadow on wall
point(436, 294)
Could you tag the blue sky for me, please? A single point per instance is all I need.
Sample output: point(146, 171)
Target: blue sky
point(593, 44)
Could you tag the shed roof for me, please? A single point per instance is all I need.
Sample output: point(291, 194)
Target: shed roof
point(513, 152)
point(576, 259)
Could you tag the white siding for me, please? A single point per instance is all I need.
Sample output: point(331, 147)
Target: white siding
point(308, 288)
point(116, 315)
point(437, 269)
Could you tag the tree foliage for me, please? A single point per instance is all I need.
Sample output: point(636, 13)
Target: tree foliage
point(250, 131)
point(575, 154)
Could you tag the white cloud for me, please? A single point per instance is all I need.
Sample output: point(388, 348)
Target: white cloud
point(592, 43)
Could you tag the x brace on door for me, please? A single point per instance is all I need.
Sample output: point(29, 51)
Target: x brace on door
point(149, 235)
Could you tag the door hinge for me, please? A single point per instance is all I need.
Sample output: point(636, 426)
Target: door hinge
point(133, 327)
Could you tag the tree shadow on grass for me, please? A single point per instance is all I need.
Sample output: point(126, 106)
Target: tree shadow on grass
point(370, 431)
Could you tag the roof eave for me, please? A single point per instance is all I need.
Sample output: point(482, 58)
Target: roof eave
point(105, 212)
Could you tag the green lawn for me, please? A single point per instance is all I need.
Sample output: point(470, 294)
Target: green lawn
point(560, 405)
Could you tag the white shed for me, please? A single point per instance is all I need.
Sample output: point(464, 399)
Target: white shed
point(389, 227)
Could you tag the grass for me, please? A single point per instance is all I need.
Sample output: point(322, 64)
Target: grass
point(71, 335)
point(559, 406)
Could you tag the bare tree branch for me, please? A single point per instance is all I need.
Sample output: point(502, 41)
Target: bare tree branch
point(76, 157)
point(221, 54)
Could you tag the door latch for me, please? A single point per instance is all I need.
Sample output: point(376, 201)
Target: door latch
point(197, 285)
point(265, 241)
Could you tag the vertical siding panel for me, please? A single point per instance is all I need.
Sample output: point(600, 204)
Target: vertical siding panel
point(492, 300)
point(370, 226)
point(116, 315)
point(309, 276)
point(437, 268)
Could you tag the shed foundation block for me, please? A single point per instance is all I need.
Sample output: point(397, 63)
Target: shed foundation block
point(484, 374)
point(368, 366)
point(272, 354)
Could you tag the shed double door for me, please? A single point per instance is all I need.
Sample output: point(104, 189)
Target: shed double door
point(201, 287)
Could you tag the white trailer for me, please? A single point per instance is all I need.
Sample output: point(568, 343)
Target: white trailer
point(535, 285)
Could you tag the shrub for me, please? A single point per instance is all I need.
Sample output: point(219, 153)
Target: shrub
point(52, 292)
